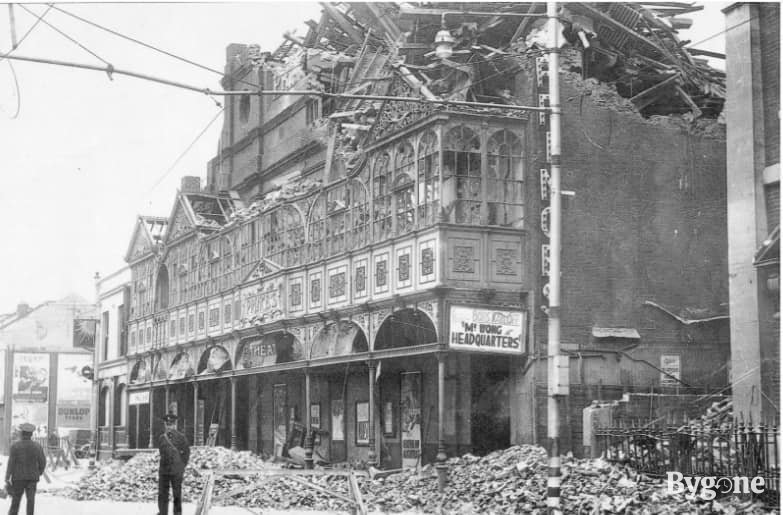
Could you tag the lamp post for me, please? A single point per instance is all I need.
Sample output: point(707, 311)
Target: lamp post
point(94, 407)
point(557, 388)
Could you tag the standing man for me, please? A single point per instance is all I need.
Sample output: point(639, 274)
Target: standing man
point(174, 456)
point(26, 463)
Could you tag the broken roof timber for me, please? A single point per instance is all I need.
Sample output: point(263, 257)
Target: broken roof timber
point(345, 24)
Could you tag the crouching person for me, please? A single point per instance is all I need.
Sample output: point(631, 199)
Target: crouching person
point(26, 463)
point(174, 456)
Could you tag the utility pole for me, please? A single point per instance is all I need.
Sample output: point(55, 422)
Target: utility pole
point(556, 388)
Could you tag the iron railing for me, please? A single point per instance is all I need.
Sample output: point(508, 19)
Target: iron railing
point(726, 450)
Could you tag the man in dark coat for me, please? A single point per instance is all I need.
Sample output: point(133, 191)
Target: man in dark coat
point(174, 456)
point(26, 463)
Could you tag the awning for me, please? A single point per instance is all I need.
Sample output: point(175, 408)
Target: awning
point(616, 332)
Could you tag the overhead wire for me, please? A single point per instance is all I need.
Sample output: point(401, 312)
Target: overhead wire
point(190, 146)
point(62, 33)
point(18, 43)
point(147, 45)
point(18, 92)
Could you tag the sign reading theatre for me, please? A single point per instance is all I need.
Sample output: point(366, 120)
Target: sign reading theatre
point(487, 330)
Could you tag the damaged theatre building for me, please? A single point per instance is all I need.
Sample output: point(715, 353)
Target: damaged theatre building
point(371, 260)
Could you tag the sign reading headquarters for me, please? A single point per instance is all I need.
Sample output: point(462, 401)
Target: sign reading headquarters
point(487, 330)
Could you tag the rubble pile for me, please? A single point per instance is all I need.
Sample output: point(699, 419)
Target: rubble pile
point(509, 481)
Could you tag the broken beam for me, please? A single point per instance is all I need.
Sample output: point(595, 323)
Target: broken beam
point(343, 22)
point(649, 95)
point(688, 100)
point(321, 489)
point(605, 18)
point(707, 53)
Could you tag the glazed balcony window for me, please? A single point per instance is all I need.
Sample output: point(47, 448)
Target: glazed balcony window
point(404, 185)
point(316, 229)
point(505, 180)
point(283, 236)
point(462, 175)
point(358, 203)
point(429, 177)
point(381, 194)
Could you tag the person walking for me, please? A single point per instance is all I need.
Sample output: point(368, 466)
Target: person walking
point(26, 463)
point(174, 456)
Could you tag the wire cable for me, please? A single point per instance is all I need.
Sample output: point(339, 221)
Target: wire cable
point(73, 40)
point(147, 45)
point(18, 92)
point(192, 144)
point(18, 43)
point(691, 45)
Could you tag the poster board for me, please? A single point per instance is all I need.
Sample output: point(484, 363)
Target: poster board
point(410, 418)
point(74, 391)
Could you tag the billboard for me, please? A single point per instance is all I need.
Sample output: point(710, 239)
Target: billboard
point(31, 378)
point(84, 330)
point(487, 330)
point(74, 391)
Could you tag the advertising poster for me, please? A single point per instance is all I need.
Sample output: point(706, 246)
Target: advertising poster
point(338, 410)
point(671, 365)
point(362, 423)
point(487, 330)
point(74, 391)
point(31, 378)
point(280, 417)
point(410, 418)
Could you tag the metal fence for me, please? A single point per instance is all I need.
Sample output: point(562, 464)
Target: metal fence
point(726, 450)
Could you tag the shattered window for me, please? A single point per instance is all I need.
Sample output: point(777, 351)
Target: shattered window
point(315, 228)
point(505, 179)
point(404, 184)
point(462, 170)
point(295, 235)
point(382, 216)
point(360, 213)
point(429, 176)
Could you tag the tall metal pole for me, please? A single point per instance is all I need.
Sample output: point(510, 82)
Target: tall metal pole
point(233, 413)
point(95, 393)
point(553, 347)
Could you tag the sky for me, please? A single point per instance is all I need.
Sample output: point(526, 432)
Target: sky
point(85, 155)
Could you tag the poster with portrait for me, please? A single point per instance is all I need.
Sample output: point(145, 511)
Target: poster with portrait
point(410, 418)
point(338, 413)
point(31, 378)
point(280, 417)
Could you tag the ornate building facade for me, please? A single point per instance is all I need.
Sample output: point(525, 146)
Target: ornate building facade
point(376, 269)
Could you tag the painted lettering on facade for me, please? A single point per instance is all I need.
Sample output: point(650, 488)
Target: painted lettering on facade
point(263, 302)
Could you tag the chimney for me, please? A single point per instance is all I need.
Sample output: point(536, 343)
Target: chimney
point(190, 184)
point(22, 309)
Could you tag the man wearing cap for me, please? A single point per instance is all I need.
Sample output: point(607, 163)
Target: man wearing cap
point(174, 456)
point(26, 463)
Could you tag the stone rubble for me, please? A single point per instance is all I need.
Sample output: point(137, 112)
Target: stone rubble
point(507, 481)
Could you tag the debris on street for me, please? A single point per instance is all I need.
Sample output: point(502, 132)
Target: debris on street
point(508, 481)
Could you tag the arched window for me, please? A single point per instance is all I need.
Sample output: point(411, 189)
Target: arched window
point(505, 176)
point(429, 176)
point(315, 229)
point(283, 236)
point(226, 262)
point(360, 213)
point(338, 222)
point(162, 288)
point(382, 215)
point(203, 271)
point(462, 169)
point(120, 405)
point(404, 183)
point(294, 230)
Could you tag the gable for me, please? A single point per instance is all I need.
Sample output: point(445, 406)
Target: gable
point(179, 221)
point(140, 244)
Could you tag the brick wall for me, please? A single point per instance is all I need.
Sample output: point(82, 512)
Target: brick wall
point(769, 24)
point(647, 222)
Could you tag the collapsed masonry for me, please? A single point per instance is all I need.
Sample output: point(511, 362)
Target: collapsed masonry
point(631, 50)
